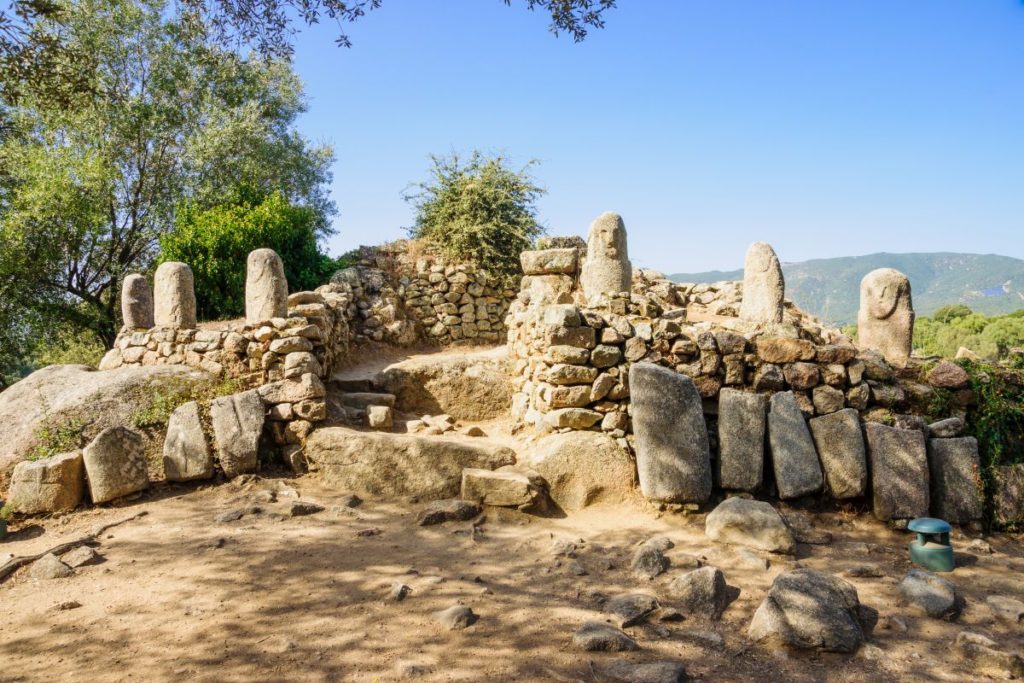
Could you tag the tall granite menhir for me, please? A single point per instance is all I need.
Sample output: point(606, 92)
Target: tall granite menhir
point(607, 268)
point(174, 296)
point(673, 457)
point(266, 288)
point(763, 285)
point(885, 321)
point(136, 303)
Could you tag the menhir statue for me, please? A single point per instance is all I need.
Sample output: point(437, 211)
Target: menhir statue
point(885, 322)
point(174, 296)
point(266, 289)
point(763, 285)
point(607, 268)
point(136, 303)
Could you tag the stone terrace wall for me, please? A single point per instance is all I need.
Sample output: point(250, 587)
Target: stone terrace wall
point(405, 294)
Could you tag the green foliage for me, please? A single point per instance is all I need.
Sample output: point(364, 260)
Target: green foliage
point(86, 191)
point(6, 512)
point(53, 438)
point(956, 326)
point(166, 398)
point(996, 421)
point(216, 241)
point(479, 210)
point(66, 346)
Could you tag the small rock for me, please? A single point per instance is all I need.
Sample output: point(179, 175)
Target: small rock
point(212, 544)
point(577, 569)
point(893, 623)
point(751, 523)
point(864, 571)
point(645, 672)
point(631, 608)
point(235, 515)
point(363, 533)
point(933, 595)
point(49, 567)
point(412, 669)
point(451, 510)
point(979, 545)
point(648, 562)
point(301, 508)
point(700, 593)
point(456, 617)
point(597, 636)
point(80, 557)
point(351, 501)
point(985, 653)
point(66, 605)
point(708, 639)
point(562, 547)
point(1006, 609)
point(399, 591)
point(473, 430)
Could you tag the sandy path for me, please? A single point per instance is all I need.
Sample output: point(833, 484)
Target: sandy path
point(305, 598)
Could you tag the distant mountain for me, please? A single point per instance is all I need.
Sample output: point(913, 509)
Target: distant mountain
point(830, 288)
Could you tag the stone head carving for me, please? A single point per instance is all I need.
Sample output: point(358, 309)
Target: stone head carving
point(607, 268)
point(885, 322)
point(763, 285)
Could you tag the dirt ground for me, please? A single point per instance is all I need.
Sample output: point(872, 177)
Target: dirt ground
point(270, 597)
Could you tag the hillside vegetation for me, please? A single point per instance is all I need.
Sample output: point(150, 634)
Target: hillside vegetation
point(830, 288)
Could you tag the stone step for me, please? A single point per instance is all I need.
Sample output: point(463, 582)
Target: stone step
point(365, 399)
point(352, 384)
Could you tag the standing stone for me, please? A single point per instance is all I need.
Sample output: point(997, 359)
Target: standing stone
point(237, 426)
point(672, 453)
point(840, 445)
point(1008, 501)
point(136, 303)
point(266, 288)
point(794, 460)
point(607, 268)
point(115, 464)
point(186, 454)
point(885, 322)
point(174, 295)
point(899, 471)
point(741, 423)
point(763, 285)
point(956, 479)
point(54, 484)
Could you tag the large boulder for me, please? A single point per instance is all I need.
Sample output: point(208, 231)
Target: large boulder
point(237, 427)
point(741, 423)
point(899, 471)
point(671, 438)
point(794, 459)
point(751, 523)
point(54, 484)
point(583, 468)
point(809, 609)
point(840, 446)
point(467, 386)
point(115, 464)
point(77, 395)
point(381, 464)
point(956, 494)
point(187, 456)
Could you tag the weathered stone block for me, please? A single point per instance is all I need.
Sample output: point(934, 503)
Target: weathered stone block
point(549, 261)
point(237, 426)
point(899, 472)
point(741, 425)
point(840, 446)
point(187, 456)
point(956, 494)
point(115, 464)
point(53, 484)
point(794, 459)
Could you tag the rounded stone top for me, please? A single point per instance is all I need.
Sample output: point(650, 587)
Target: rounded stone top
point(929, 525)
point(760, 257)
point(881, 290)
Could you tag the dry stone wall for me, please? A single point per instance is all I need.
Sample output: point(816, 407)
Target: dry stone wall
point(784, 398)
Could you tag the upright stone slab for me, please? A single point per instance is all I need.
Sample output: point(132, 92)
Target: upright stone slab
point(840, 445)
point(794, 460)
point(136, 303)
point(956, 494)
point(186, 454)
point(266, 288)
point(763, 285)
point(237, 426)
point(1008, 500)
point(54, 484)
point(899, 471)
point(885, 321)
point(174, 296)
point(742, 418)
point(607, 268)
point(115, 464)
point(672, 453)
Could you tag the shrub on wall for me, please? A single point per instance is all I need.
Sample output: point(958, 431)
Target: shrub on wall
point(478, 210)
point(216, 242)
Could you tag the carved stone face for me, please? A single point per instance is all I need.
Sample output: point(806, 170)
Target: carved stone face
point(607, 238)
point(881, 292)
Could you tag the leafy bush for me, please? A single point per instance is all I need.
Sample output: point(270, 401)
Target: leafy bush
point(479, 210)
point(954, 326)
point(215, 243)
point(165, 399)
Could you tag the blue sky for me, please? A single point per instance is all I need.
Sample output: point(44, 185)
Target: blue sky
point(825, 127)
